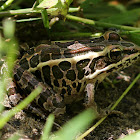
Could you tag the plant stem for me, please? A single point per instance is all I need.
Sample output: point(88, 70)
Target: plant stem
point(68, 35)
point(100, 24)
point(31, 10)
point(6, 4)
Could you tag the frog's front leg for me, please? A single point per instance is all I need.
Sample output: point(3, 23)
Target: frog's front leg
point(90, 89)
point(89, 99)
point(48, 100)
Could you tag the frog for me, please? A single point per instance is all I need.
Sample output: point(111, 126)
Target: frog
point(69, 72)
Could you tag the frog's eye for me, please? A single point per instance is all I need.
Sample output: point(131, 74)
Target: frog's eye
point(113, 37)
point(115, 54)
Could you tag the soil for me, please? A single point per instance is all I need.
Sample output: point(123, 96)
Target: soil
point(117, 125)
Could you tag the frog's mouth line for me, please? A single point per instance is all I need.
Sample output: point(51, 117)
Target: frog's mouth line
point(126, 61)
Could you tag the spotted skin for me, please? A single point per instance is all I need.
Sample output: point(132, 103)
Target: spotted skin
point(65, 65)
point(64, 70)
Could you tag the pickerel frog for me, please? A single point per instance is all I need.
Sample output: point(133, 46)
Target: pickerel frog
point(68, 72)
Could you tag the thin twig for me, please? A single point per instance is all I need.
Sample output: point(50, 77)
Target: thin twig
point(6, 4)
point(30, 10)
point(100, 24)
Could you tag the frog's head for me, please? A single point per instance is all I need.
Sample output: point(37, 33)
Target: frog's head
point(117, 54)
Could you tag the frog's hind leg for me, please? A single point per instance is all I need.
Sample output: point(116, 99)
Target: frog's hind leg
point(12, 92)
point(48, 100)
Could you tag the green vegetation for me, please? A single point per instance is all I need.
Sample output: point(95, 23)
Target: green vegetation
point(60, 21)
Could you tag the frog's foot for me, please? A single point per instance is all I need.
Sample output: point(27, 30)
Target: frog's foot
point(36, 111)
point(107, 111)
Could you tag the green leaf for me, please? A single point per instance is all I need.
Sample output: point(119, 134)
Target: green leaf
point(128, 17)
point(45, 18)
point(86, 3)
point(8, 28)
point(97, 9)
point(15, 137)
point(135, 37)
point(75, 126)
point(47, 127)
point(61, 6)
point(48, 4)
